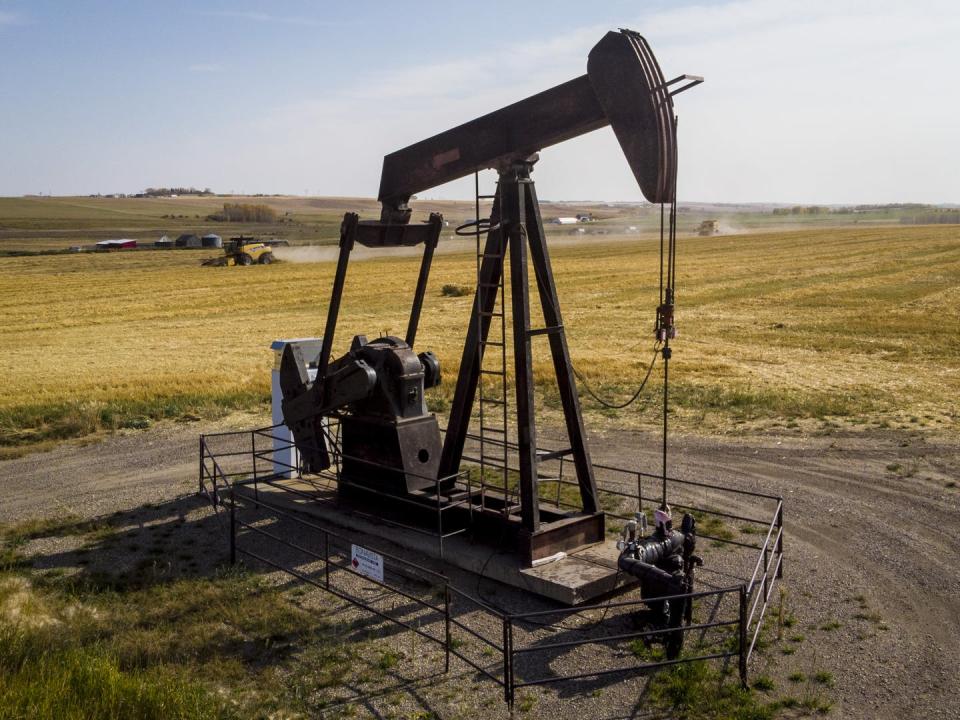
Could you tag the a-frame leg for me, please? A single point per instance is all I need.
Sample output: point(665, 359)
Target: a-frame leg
point(514, 215)
point(562, 366)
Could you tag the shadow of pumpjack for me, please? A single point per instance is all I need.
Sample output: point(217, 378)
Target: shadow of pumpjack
point(183, 540)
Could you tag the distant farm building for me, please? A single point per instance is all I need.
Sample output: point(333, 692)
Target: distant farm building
point(211, 241)
point(163, 242)
point(119, 244)
point(566, 221)
point(584, 217)
point(188, 241)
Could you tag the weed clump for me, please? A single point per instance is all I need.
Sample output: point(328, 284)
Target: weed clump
point(455, 290)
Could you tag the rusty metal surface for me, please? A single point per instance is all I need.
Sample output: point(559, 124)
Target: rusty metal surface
point(630, 87)
point(624, 87)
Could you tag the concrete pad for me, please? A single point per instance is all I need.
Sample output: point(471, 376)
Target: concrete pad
point(579, 577)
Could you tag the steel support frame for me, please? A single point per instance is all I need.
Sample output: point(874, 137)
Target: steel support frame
point(348, 237)
point(513, 188)
point(516, 221)
point(478, 330)
point(436, 225)
point(560, 352)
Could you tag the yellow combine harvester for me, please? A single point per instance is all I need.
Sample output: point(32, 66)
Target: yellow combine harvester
point(245, 251)
point(708, 228)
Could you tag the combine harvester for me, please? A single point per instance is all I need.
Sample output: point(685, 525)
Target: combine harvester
point(245, 251)
point(483, 494)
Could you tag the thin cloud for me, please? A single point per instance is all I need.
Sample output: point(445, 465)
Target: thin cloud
point(9, 18)
point(262, 17)
point(206, 68)
point(802, 103)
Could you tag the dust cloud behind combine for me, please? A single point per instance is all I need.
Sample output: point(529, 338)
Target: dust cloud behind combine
point(448, 244)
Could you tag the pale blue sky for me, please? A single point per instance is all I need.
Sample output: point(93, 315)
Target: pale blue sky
point(814, 101)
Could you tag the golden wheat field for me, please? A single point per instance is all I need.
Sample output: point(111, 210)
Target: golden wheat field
point(804, 328)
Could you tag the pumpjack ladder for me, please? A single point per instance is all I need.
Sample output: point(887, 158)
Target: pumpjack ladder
point(493, 403)
point(515, 228)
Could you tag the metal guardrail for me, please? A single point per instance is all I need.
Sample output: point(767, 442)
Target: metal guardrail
point(264, 472)
point(515, 638)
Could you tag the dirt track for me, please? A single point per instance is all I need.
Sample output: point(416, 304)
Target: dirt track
point(871, 550)
point(857, 528)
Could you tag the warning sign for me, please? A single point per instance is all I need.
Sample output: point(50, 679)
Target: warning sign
point(366, 562)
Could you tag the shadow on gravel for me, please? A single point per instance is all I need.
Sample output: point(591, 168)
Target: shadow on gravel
point(160, 580)
point(162, 574)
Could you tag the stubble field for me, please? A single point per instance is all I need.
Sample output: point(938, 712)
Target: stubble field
point(803, 330)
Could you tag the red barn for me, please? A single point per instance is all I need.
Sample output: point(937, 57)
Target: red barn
point(121, 244)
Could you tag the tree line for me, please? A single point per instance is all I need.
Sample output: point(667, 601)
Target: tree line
point(245, 212)
point(166, 192)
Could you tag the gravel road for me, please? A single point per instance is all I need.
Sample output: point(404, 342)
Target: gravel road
point(871, 570)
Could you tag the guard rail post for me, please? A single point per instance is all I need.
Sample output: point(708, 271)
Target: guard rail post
point(743, 635)
point(233, 529)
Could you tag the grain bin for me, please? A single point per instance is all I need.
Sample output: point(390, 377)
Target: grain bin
point(188, 241)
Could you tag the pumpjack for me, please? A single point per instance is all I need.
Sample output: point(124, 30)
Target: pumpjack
point(389, 441)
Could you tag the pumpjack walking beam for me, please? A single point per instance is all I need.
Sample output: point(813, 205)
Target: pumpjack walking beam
point(624, 88)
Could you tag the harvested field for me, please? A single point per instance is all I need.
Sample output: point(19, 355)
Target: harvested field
point(804, 330)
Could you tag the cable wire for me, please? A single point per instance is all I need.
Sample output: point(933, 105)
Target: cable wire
point(633, 398)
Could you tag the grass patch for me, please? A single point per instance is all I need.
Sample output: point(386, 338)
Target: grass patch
point(43, 678)
point(388, 659)
point(143, 644)
point(648, 653)
point(39, 423)
point(713, 526)
point(763, 683)
point(751, 403)
point(870, 616)
point(526, 703)
point(817, 704)
point(824, 678)
point(698, 690)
